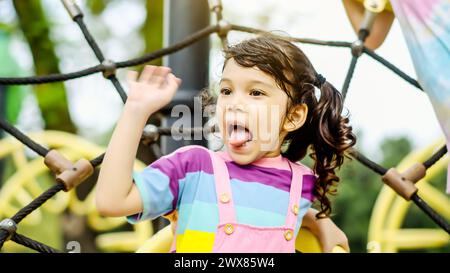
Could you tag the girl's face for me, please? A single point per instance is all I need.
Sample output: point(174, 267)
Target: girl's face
point(251, 109)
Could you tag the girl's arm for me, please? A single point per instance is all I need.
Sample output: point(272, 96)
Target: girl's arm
point(326, 231)
point(116, 194)
point(381, 26)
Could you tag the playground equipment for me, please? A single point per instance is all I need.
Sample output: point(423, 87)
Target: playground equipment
point(23, 186)
point(386, 233)
point(69, 174)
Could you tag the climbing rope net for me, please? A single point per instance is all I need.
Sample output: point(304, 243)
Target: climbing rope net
point(70, 174)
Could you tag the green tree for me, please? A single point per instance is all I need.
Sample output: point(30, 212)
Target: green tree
point(51, 98)
point(152, 30)
point(358, 190)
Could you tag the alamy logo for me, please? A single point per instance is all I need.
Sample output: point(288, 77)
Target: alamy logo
point(73, 247)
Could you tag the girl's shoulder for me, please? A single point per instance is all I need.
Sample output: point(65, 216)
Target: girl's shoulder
point(305, 169)
point(309, 181)
point(189, 150)
point(190, 158)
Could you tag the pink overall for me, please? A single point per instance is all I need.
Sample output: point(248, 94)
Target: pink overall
point(234, 237)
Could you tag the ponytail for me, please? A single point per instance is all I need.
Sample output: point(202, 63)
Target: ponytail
point(328, 135)
point(333, 137)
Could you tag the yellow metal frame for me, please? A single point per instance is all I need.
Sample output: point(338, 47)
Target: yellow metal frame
point(376, 6)
point(385, 229)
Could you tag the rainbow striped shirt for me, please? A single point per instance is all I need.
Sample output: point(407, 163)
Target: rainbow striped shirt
point(184, 181)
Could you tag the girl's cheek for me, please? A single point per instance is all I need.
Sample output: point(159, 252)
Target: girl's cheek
point(219, 116)
point(264, 127)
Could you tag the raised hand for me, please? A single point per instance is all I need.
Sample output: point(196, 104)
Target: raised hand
point(116, 194)
point(155, 88)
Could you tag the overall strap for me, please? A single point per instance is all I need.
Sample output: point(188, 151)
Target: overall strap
point(223, 190)
point(294, 195)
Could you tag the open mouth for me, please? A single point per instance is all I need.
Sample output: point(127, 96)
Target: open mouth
point(238, 135)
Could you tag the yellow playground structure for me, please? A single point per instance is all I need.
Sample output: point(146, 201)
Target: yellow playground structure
point(385, 230)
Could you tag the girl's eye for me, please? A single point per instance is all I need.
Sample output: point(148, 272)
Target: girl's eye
point(225, 91)
point(256, 93)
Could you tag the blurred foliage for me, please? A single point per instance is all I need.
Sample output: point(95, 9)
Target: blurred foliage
point(10, 68)
point(358, 190)
point(51, 98)
point(152, 30)
point(394, 150)
point(97, 6)
point(6, 28)
point(36, 29)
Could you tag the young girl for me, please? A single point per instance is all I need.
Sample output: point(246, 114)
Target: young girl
point(254, 196)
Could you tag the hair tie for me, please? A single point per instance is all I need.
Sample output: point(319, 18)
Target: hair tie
point(320, 80)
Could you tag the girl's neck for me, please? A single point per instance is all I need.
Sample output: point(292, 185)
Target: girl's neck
point(275, 160)
point(275, 153)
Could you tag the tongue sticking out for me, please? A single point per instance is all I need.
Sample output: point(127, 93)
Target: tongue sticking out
point(239, 136)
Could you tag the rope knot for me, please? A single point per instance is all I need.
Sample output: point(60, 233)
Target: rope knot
point(150, 134)
point(109, 68)
point(9, 226)
point(357, 48)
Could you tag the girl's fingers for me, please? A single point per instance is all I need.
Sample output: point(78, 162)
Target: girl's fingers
point(345, 246)
point(160, 75)
point(132, 76)
point(178, 80)
point(147, 73)
point(173, 82)
point(327, 248)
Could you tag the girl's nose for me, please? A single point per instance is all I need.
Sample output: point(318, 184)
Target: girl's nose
point(237, 103)
point(235, 107)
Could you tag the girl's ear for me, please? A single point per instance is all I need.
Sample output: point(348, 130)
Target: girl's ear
point(296, 117)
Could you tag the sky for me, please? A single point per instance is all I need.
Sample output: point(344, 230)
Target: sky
point(380, 103)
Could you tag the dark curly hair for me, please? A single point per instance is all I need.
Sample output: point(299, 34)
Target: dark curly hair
point(326, 132)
